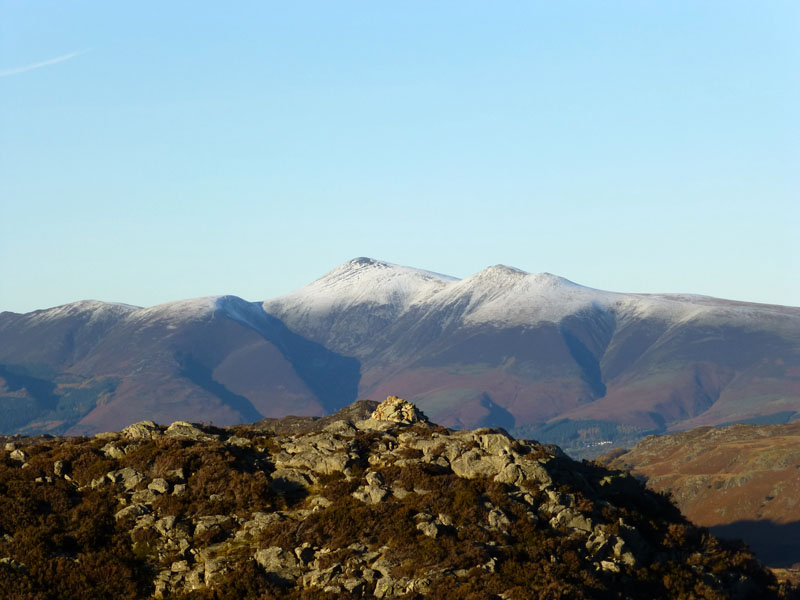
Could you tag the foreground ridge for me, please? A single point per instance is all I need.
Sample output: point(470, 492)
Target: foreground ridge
point(380, 504)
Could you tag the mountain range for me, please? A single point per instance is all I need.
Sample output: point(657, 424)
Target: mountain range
point(531, 352)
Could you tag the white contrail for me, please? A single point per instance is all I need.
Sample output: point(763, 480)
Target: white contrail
point(44, 63)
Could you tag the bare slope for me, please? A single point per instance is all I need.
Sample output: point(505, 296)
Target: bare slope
point(741, 481)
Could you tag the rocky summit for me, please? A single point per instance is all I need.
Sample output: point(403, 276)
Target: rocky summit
point(397, 410)
point(389, 506)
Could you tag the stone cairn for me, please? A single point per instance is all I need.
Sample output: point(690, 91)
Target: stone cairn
point(398, 410)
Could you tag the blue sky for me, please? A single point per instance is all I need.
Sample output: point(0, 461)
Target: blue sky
point(154, 151)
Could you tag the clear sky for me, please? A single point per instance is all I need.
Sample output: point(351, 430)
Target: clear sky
point(155, 151)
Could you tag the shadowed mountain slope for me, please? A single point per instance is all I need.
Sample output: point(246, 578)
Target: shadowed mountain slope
point(532, 352)
point(585, 365)
point(221, 359)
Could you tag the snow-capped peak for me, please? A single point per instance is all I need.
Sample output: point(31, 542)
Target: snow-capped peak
point(363, 281)
point(378, 269)
point(502, 294)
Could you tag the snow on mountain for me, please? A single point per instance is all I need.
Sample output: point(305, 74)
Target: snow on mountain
point(509, 296)
point(362, 296)
point(193, 309)
point(358, 282)
point(498, 295)
point(94, 311)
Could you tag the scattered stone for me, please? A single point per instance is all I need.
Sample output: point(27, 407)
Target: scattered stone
point(212, 523)
point(371, 494)
point(282, 565)
point(319, 578)
point(373, 478)
point(498, 519)
point(159, 486)
point(111, 450)
point(214, 569)
point(134, 510)
point(165, 525)
point(176, 474)
point(129, 478)
point(143, 497)
point(572, 519)
point(238, 441)
point(10, 562)
point(428, 528)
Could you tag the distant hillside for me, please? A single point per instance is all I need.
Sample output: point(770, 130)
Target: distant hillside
point(741, 481)
point(385, 507)
point(537, 354)
point(89, 367)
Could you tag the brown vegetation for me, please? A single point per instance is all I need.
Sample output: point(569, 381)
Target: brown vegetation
point(62, 534)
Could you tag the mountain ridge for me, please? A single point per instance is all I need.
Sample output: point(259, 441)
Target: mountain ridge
point(534, 351)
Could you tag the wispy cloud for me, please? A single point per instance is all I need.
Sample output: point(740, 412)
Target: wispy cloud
point(44, 63)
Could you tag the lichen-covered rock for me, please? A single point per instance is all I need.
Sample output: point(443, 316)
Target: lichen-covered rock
point(428, 528)
point(498, 519)
point(128, 477)
point(159, 485)
point(184, 429)
point(281, 564)
point(236, 440)
point(371, 494)
point(143, 430)
point(112, 450)
point(143, 497)
point(134, 510)
point(475, 463)
point(212, 523)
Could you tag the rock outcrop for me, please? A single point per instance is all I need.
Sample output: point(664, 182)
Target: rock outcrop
point(397, 410)
point(389, 506)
